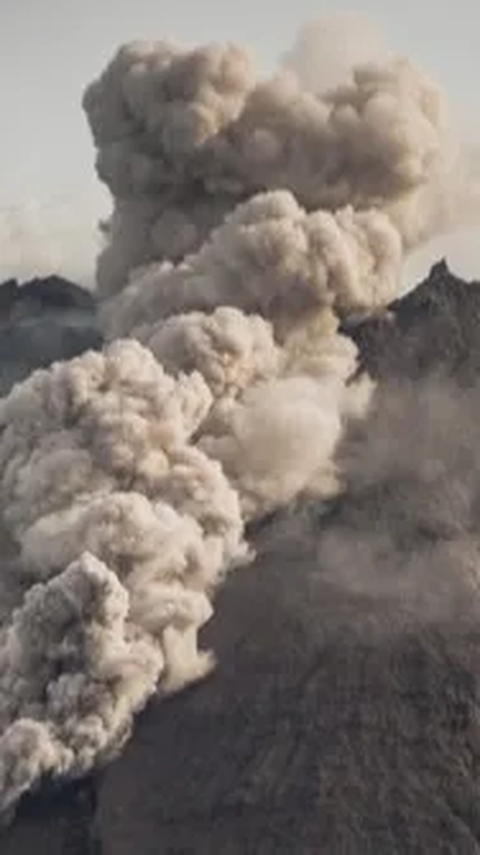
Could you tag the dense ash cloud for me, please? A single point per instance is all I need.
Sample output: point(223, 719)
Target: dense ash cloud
point(294, 207)
point(175, 128)
point(123, 528)
point(251, 219)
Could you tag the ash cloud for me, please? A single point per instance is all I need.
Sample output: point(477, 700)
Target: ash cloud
point(173, 127)
point(123, 528)
point(251, 219)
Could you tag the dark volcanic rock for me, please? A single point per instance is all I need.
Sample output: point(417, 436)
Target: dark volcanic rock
point(434, 329)
point(54, 823)
point(43, 321)
point(50, 293)
point(337, 722)
point(56, 292)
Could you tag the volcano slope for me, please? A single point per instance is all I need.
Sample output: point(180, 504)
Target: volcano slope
point(41, 321)
point(342, 716)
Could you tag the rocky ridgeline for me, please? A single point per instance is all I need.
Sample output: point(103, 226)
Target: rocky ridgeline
point(433, 329)
point(42, 321)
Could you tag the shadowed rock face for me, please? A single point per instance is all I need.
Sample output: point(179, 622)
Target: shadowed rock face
point(42, 321)
point(54, 822)
point(335, 723)
point(50, 293)
point(434, 329)
point(343, 715)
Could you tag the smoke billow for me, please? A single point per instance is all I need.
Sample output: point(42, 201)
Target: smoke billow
point(250, 219)
point(123, 526)
point(179, 134)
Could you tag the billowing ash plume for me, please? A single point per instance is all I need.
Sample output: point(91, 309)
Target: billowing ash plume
point(249, 219)
point(124, 527)
point(185, 137)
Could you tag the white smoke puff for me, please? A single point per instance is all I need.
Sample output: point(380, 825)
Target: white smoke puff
point(328, 49)
point(279, 442)
point(229, 349)
point(273, 258)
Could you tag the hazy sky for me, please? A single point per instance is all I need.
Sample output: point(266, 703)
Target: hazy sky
point(49, 51)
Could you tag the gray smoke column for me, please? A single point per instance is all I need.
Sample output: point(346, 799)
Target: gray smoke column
point(250, 218)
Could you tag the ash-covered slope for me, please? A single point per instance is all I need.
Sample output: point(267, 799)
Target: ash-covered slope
point(343, 714)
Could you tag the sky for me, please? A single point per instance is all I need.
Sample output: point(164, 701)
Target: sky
point(50, 199)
